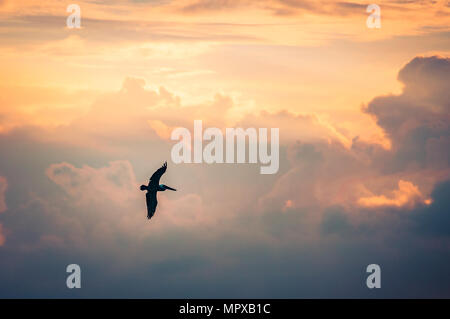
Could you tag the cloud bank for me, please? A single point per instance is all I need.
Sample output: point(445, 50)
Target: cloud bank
point(336, 205)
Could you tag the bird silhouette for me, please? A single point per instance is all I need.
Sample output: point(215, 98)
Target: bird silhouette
point(152, 188)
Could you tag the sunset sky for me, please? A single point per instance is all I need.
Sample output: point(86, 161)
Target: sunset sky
point(86, 116)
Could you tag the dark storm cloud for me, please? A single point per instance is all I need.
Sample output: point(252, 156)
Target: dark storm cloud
point(335, 222)
point(434, 220)
point(418, 120)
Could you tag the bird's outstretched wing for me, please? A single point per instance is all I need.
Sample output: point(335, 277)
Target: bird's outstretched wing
point(154, 180)
point(151, 203)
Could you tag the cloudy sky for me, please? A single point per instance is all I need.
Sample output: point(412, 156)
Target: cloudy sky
point(364, 118)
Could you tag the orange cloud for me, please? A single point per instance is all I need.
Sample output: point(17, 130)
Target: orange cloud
point(407, 195)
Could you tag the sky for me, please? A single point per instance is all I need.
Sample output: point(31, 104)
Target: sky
point(86, 116)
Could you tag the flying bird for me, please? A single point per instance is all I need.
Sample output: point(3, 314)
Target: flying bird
point(152, 188)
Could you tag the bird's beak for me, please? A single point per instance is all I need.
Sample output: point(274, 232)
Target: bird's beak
point(172, 189)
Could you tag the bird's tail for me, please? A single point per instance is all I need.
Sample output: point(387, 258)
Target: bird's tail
point(143, 187)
